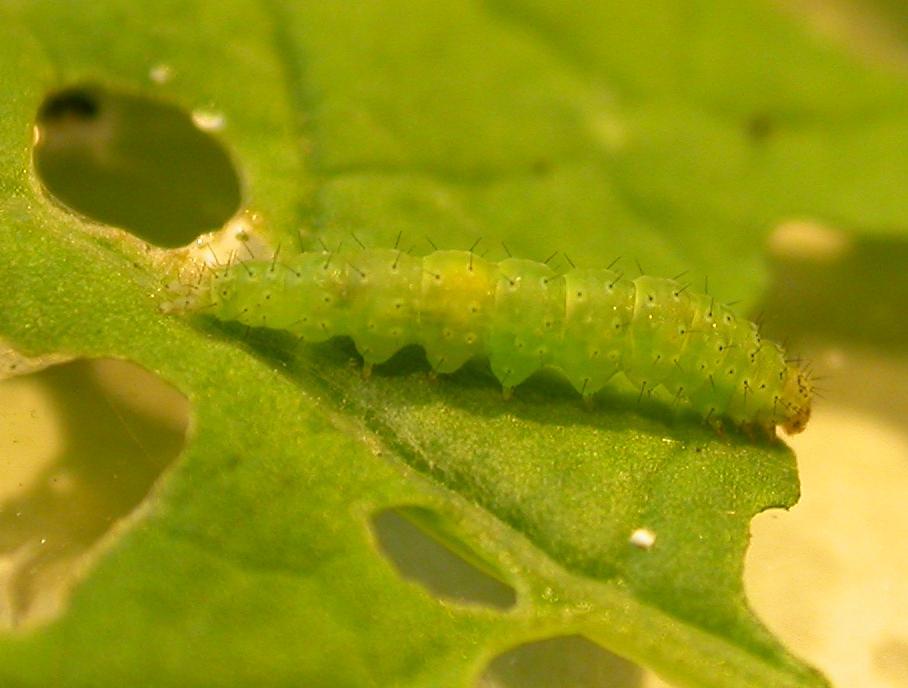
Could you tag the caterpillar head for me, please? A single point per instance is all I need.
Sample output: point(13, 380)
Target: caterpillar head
point(796, 395)
point(189, 293)
point(184, 298)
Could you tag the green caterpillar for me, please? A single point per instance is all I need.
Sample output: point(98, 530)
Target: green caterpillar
point(589, 323)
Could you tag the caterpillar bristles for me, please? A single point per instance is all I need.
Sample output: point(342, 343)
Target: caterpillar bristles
point(591, 324)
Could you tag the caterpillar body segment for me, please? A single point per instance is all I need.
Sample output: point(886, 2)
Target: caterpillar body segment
point(591, 324)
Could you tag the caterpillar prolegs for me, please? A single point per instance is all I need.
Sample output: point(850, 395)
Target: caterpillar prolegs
point(591, 324)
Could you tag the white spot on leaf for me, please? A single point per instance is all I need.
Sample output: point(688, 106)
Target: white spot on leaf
point(209, 120)
point(808, 240)
point(643, 538)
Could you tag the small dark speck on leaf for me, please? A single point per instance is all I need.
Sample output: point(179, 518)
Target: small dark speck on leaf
point(759, 127)
point(75, 103)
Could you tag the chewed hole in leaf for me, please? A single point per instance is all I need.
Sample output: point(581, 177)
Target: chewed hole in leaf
point(134, 162)
point(567, 662)
point(422, 558)
point(85, 443)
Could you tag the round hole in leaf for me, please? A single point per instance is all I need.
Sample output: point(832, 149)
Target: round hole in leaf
point(134, 162)
point(424, 559)
point(563, 661)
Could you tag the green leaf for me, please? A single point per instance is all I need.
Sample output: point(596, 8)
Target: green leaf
point(674, 133)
